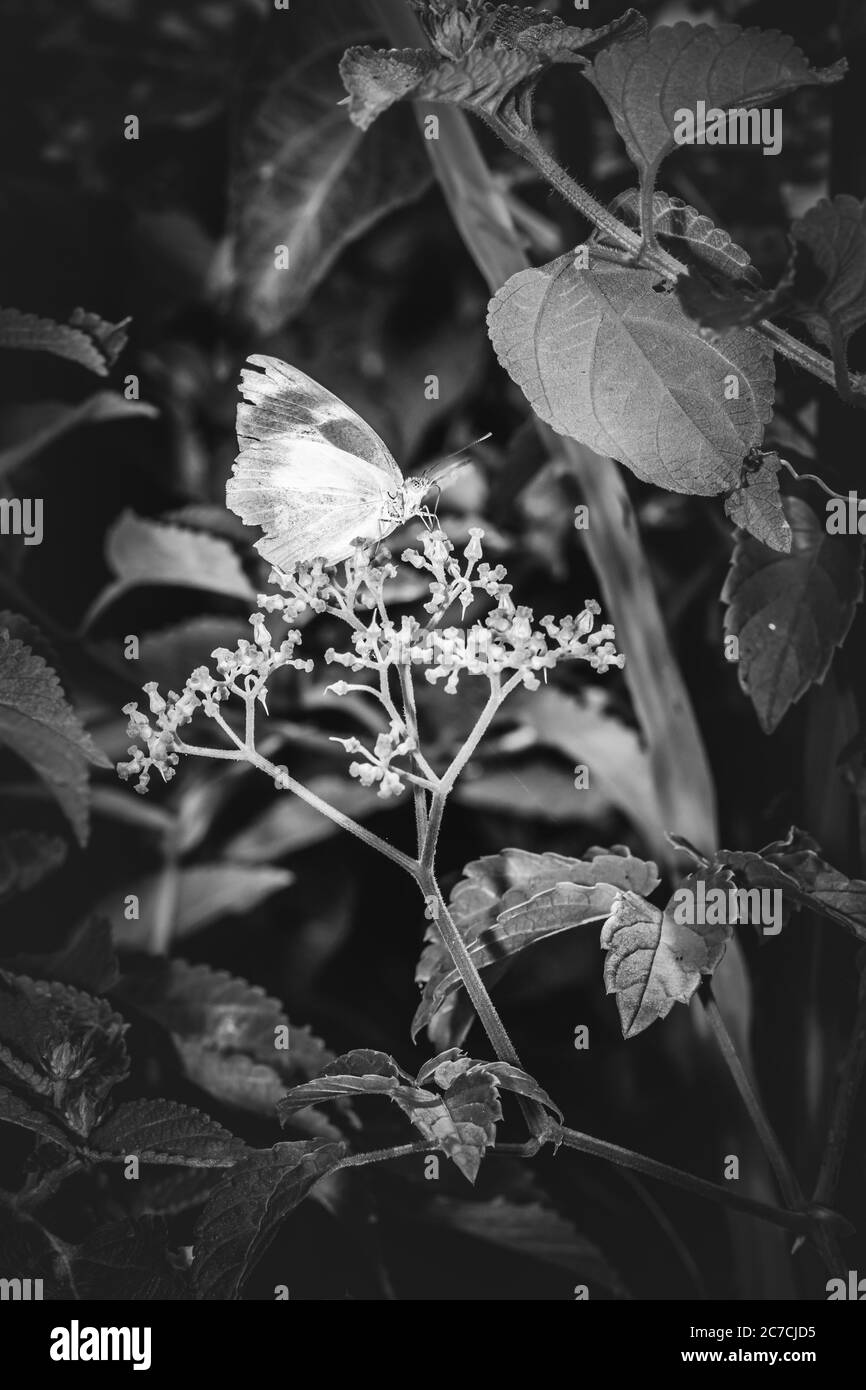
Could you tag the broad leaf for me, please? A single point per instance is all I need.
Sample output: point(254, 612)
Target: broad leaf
point(692, 234)
point(834, 233)
point(647, 80)
point(17, 1112)
point(226, 1033)
point(795, 867)
point(288, 824)
point(508, 901)
point(140, 551)
point(790, 612)
point(653, 961)
point(756, 506)
point(62, 1044)
point(572, 338)
point(532, 1230)
point(303, 176)
point(126, 1262)
point(38, 724)
point(482, 56)
point(161, 1131)
point(246, 1211)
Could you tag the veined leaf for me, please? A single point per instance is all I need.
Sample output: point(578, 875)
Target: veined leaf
point(510, 900)
point(795, 867)
point(161, 1131)
point(227, 1034)
point(245, 1212)
point(648, 79)
point(605, 357)
point(790, 612)
point(481, 56)
point(303, 176)
point(692, 233)
point(38, 724)
point(757, 506)
point(140, 551)
point(834, 232)
point(653, 961)
point(86, 339)
point(15, 1111)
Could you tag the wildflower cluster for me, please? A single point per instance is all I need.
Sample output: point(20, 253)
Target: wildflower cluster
point(504, 645)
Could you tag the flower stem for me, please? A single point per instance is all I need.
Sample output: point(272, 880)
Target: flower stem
point(847, 1090)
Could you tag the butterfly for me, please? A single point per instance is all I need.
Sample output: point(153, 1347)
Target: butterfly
point(311, 473)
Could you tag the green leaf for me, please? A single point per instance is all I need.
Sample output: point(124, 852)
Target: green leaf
point(161, 1131)
point(86, 960)
point(144, 552)
point(654, 962)
point(756, 507)
point(482, 57)
point(569, 338)
point(531, 1230)
point(647, 80)
point(511, 900)
point(62, 1044)
point(790, 612)
point(38, 724)
point(226, 1032)
point(795, 867)
point(303, 176)
point(26, 857)
point(245, 1212)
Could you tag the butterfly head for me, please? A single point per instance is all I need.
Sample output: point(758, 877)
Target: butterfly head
point(412, 495)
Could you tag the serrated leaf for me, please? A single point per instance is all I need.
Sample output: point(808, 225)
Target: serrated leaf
point(790, 612)
point(653, 961)
point(126, 1262)
point(532, 1230)
point(461, 1122)
point(303, 176)
point(161, 1131)
point(571, 338)
point(110, 338)
point(647, 80)
point(691, 232)
point(795, 867)
point(511, 900)
point(225, 1031)
point(245, 1212)
point(144, 552)
point(61, 1043)
point(40, 726)
point(26, 857)
point(479, 59)
point(27, 331)
point(86, 960)
point(15, 1111)
point(757, 506)
point(834, 233)
point(522, 1084)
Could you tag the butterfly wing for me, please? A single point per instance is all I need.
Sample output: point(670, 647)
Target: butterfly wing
point(310, 472)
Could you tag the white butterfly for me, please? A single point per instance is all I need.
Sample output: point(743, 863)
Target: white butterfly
point(310, 472)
